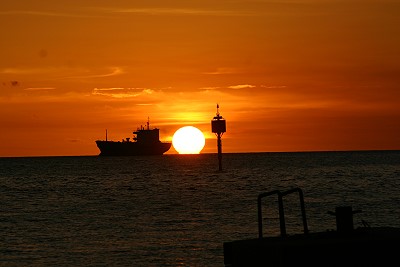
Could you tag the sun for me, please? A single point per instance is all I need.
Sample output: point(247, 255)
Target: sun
point(188, 140)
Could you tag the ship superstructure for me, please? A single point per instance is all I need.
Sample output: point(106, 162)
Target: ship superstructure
point(146, 141)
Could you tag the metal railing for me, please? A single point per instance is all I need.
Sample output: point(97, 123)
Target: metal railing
point(281, 210)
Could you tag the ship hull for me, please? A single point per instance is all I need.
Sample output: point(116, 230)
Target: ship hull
point(113, 148)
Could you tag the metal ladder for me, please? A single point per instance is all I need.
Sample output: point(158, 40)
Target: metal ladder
point(281, 211)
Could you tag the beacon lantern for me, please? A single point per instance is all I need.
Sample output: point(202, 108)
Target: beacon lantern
point(218, 125)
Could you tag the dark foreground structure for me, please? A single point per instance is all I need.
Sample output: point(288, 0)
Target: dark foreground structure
point(145, 142)
point(365, 246)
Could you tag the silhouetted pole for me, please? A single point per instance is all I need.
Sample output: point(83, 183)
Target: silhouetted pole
point(218, 126)
point(219, 143)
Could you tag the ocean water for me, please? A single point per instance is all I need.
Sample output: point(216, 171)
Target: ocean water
point(178, 210)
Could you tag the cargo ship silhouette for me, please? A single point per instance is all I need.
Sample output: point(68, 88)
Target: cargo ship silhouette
point(146, 141)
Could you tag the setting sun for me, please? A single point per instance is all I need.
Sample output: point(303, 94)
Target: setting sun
point(188, 140)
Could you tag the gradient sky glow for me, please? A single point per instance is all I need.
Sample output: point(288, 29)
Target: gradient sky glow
point(299, 75)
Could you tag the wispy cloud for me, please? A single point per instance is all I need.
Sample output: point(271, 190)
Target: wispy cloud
point(220, 71)
point(113, 71)
point(64, 73)
point(39, 88)
point(241, 86)
point(210, 88)
point(273, 86)
point(46, 14)
point(236, 87)
point(118, 92)
point(23, 70)
point(176, 11)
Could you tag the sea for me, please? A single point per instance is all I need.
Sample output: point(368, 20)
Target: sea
point(179, 210)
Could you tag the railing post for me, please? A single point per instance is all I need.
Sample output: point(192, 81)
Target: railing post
point(303, 211)
point(282, 223)
point(259, 209)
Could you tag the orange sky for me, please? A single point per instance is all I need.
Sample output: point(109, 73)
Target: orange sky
point(300, 75)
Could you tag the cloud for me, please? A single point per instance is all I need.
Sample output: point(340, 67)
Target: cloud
point(273, 86)
point(113, 71)
point(22, 70)
point(39, 88)
point(210, 88)
point(241, 86)
point(176, 11)
point(64, 73)
point(119, 92)
point(220, 71)
point(236, 87)
point(47, 14)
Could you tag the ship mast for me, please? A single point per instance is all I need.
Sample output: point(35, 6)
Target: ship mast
point(148, 123)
